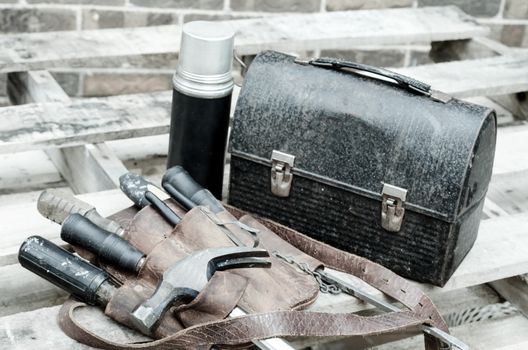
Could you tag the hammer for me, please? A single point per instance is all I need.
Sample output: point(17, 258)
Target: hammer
point(179, 284)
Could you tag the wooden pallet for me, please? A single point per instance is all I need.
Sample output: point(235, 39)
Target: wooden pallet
point(48, 140)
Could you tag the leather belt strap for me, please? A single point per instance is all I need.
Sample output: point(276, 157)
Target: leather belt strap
point(374, 274)
point(243, 329)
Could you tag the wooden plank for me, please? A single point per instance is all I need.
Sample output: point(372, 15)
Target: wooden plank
point(516, 103)
point(510, 193)
point(510, 152)
point(143, 155)
point(301, 32)
point(504, 116)
point(497, 334)
point(45, 125)
point(39, 330)
point(21, 290)
point(26, 171)
point(481, 47)
point(494, 256)
point(469, 49)
point(515, 290)
point(27, 197)
point(481, 77)
point(87, 168)
point(33, 170)
point(34, 86)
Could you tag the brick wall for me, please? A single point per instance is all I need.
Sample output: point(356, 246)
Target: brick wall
point(508, 20)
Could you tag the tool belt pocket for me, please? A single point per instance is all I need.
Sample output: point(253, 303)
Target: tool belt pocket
point(280, 287)
point(273, 297)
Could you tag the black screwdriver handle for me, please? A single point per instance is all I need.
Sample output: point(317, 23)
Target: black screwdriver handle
point(63, 269)
point(107, 246)
point(178, 179)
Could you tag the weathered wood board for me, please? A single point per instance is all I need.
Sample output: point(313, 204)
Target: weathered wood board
point(509, 333)
point(330, 30)
point(510, 153)
point(26, 171)
point(481, 77)
point(92, 120)
point(86, 168)
point(32, 170)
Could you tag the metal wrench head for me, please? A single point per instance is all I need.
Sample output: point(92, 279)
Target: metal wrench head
point(184, 280)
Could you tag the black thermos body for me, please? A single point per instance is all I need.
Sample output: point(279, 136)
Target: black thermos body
point(201, 103)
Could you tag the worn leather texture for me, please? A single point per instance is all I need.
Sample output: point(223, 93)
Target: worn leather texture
point(349, 134)
point(270, 294)
point(280, 287)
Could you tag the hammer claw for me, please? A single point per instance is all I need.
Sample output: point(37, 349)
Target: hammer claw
point(184, 280)
point(243, 262)
point(240, 257)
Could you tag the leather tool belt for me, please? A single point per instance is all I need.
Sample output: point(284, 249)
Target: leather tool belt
point(274, 298)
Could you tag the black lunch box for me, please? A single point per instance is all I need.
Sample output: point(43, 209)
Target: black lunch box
point(364, 159)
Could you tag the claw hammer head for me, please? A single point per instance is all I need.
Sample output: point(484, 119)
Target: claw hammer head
point(184, 280)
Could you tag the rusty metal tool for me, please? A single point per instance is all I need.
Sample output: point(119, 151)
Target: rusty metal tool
point(143, 193)
point(184, 280)
point(57, 205)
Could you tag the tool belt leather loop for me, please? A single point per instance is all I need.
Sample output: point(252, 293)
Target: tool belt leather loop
point(262, 292)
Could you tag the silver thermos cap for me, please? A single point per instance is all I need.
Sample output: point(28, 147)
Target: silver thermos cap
point(205, 60)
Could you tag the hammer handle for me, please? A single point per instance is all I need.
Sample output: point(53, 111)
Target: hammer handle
point(64, 269)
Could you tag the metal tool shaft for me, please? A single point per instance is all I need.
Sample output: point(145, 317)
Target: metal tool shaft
point(385, 306)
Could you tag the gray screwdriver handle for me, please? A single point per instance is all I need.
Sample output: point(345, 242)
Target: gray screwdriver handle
point(57, 205)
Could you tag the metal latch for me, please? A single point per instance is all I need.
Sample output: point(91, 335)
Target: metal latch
point(392, 210)
point(281, 176)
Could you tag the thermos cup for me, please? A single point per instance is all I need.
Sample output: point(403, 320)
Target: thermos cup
point(201, 102)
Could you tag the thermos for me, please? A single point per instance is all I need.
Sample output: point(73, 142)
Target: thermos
point(201, 102)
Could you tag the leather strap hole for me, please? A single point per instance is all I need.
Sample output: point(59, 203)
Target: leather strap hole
point(386, 280)
point(403, 291)
point(421, 305)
